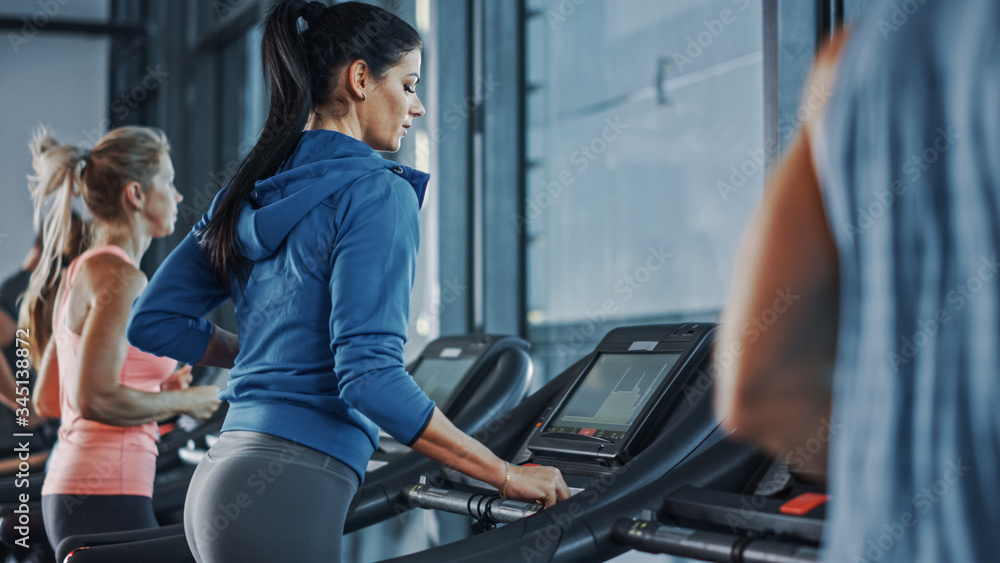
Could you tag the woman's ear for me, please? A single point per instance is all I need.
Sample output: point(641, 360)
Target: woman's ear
point(357, 78)
point(135, 197)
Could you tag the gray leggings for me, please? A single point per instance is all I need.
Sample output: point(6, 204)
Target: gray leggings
point(255, 497)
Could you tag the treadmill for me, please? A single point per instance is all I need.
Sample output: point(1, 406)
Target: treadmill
point(627, 422)
point(778, 520)
point(169, 488)
point(472, 378)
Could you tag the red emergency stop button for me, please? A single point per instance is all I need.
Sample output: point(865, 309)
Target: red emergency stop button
point(803, 503)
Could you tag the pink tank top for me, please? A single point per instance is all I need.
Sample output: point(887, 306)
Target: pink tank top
point(93, 458)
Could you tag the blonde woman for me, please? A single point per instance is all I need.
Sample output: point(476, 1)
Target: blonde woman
point(108, 394)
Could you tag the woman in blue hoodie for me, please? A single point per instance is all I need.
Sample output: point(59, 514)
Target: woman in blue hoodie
point(315, 241)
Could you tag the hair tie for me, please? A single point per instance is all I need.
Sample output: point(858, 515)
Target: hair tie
point(312, 12)
point(84, 158)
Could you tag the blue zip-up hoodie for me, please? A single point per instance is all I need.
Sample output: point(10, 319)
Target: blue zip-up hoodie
point(332, 239)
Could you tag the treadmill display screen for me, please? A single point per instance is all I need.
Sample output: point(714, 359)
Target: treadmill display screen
point(612, 394)
point(439, 377)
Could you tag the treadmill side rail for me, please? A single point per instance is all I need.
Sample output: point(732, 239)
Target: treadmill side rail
point(654, 537)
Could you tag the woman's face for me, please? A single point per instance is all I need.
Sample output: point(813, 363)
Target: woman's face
point(392, 105)
point(160, 207)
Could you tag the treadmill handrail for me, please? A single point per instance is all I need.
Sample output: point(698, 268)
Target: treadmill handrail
point(490, 508)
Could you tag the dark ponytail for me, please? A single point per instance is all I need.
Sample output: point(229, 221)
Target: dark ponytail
point(301, 70)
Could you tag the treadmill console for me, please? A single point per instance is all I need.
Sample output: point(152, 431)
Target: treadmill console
point(634, 376)
point(442, 372)
point(602, 414)
point(449, 370)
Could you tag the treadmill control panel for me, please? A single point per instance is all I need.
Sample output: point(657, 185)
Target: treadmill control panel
point(609, 399)
point(440, 377)
point(634, 377)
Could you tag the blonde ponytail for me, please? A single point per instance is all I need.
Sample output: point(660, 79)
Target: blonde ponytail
point(54, 184)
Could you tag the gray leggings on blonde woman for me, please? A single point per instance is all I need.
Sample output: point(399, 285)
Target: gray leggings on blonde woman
point(255, 497)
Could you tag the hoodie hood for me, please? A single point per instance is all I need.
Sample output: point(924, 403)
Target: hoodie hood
point(278, 203)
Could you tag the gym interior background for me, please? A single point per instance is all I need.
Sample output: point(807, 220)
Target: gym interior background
point(593, 162)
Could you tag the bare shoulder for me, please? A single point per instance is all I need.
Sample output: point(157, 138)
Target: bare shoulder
point(110, 278)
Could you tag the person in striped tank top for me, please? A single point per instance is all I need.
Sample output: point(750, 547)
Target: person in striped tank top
point(883, 224)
